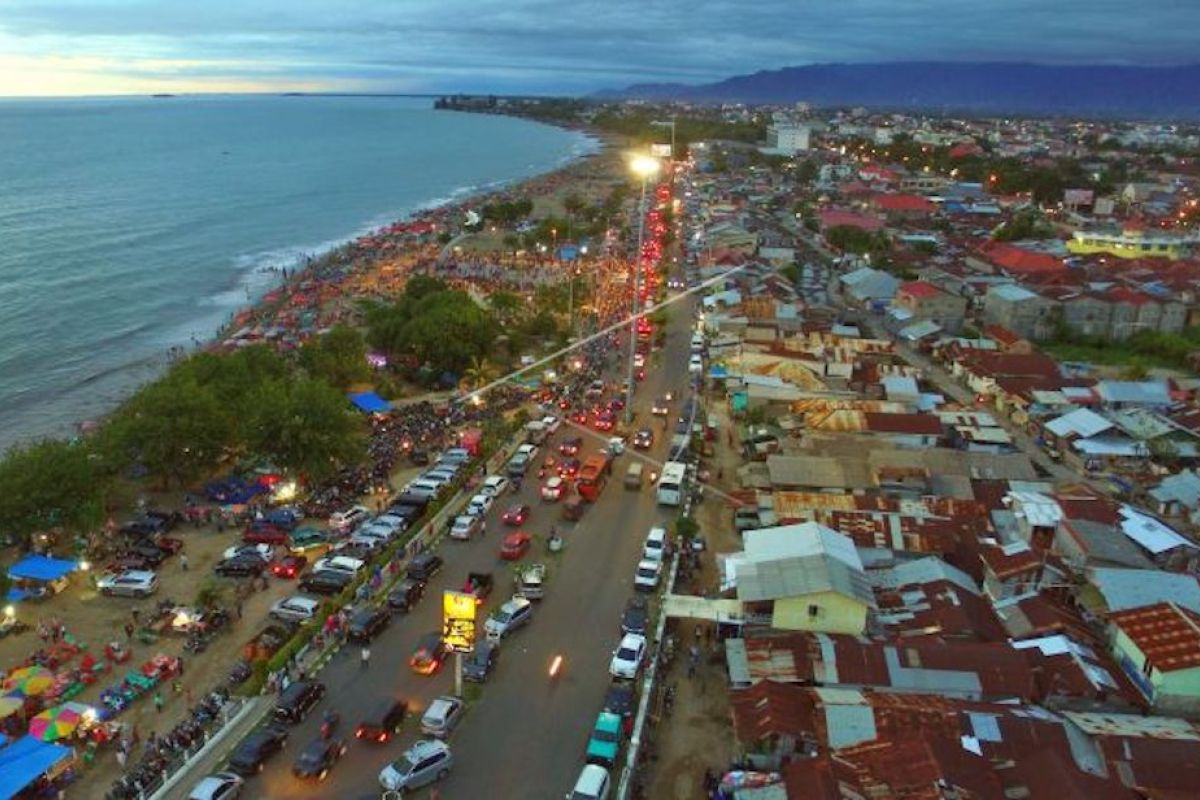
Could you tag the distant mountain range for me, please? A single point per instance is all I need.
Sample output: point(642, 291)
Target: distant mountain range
point(979, 87)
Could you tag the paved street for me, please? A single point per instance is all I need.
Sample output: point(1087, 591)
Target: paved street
point(526, 735)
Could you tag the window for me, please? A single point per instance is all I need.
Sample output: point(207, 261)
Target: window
point(815, 612)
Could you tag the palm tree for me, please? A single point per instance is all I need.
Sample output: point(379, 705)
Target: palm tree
point(480, 373)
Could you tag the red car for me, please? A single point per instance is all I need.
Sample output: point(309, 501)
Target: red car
point(516, 514)
point(514, 546)
point(289, 566)
point(265, 534)
point(605, 421)
point(579, 417)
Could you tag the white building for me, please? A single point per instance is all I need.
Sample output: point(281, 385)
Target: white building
point(787, 138)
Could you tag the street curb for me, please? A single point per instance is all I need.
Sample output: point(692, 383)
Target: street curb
point(256, 707)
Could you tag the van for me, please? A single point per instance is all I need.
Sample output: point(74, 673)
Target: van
point(633, 476)
point(593, 784)
point(655, 547)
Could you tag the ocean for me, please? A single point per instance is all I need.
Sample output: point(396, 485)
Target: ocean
point(132, 225)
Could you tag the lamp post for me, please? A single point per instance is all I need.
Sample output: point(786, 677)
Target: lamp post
point(644, 167)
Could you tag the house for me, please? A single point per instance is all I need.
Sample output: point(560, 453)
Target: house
point(1020, 262)
point(836, 218)
point(928, 302)
point(1018, 309)
point(1134, 394)
point(806, 576)
point(902, 206)
point(1132, 241)
point(868, 287)
point(1177, 495)
point(1158, 647)
point(1110, 589)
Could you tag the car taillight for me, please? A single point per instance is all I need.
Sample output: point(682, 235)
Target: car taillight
point(383, 737)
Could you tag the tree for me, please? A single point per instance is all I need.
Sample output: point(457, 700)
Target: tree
point(505, 305)
point(51, 483)
point(339, 357)
point(307, 427)
point(480, 373)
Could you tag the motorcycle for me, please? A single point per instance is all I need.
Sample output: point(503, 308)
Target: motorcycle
point(556, 665)
point(328, 723)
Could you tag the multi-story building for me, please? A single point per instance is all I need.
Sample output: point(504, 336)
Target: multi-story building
point(926, 301)
point(1018, 309)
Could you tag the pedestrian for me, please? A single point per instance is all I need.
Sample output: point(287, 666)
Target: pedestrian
point(129, 631)
point(158, 702)
point(183, 562)
point(693, 660)
point(121, 758)
point(135, 614)
point(366, 657)
point(135, 738)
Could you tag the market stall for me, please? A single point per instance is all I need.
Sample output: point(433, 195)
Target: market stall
point(36, 577)
point(27, 761)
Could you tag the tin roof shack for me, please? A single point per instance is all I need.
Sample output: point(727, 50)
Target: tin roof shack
point(807, 576)
point(1158, 647)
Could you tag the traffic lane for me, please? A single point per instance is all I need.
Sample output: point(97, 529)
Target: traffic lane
point(355, 692)
point(527, 735)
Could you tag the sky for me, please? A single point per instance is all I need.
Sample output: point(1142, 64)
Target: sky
point(82, 47)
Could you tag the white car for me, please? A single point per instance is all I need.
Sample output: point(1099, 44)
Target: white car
point(350, 518)
point(495, 485)
point(350, 566)
point(528, 450)
point(221, 786)
point(553, 488)
point(131, 583)
point(296, 608)
point(551, 422)
point(695, 364)
point(441, 716)
point(639, 360)
point(465, 526)
point(376, 530)
point(480, 504)
point(507, 618)
point(645, 578)
point(264, 551)
point(627, 658)
point(368, 543)
point(428, 760)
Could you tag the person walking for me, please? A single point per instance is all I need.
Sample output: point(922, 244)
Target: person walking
point(366, 657)
point(158, 702)
point(183, 562)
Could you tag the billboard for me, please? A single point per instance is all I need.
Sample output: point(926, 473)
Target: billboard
point(660, 150)
point(458, 621)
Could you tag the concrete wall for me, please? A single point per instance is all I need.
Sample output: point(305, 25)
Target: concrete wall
point(835, 613)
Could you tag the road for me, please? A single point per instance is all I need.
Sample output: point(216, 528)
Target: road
point(525, 735)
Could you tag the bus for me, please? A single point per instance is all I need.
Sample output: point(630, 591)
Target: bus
point(592, 477)
point(672, 484)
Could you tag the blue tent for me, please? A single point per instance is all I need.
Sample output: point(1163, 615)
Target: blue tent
point(41, 568)
point(26, 760)
point(370, 403)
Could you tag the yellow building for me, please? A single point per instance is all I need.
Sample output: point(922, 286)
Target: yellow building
point(1134, 241)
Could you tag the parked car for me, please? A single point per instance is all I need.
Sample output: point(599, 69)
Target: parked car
point(340, 563)
point(507, 618)
point(383, 722)
point(366, 624)
point(645, 579)
point(479, 663)
point(424, 566)
point(264, 551)
point(627, 658)
point(256, 749)
point(466, 527)
point(516, 514)
point(317, 758)
point(289, 566)
point(221, 786)
point(495, 485)
point(621, 699)
point(297, 700)
point(342, 521)
point(480, 504)
point(514, 546)
point(604, 746)
point(132, 583)
point(406, 595)
point(325, 582)
point(442, 716)
point(240, 566)
point(303, 540)
point(151, 554)
point(429, 654)
point(635, 617)
point(428, 760)
point(296, 608)
point(266, 534)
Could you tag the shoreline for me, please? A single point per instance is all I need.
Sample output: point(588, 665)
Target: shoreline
point(333, 268)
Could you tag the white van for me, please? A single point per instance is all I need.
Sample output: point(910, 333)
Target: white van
point(655, 548)
point(593, 784)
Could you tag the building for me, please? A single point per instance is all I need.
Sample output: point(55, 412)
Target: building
point(925, 301)
point(1158, 647)
point(902, 206)
point(787, 138)
point(1132, 241)
point(1018, 309)
point(868, 287)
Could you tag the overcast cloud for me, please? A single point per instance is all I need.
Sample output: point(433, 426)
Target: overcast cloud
point(48, 47)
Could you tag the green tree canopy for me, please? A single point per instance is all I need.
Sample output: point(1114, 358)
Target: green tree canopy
point(339, 357)
point(48, 484)
point(306, 426)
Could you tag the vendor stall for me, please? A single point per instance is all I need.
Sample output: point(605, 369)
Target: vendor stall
point(36, 577)
point(27, 761)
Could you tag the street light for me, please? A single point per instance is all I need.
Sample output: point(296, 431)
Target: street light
point(645, 168)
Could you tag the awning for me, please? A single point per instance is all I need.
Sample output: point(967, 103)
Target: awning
point(370, 403)
point(26, 760)
point(41, 568)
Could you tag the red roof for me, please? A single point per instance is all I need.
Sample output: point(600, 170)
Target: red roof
point(1123, 294)
point(1002, 335)
point(833, 217)
point(1019, 260)
point(902, 202)
point(922, 424)
point(964, 149)
point(919, 289)
point(1169, 636)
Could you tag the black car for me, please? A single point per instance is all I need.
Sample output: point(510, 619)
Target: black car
point(326, 581)
point(622, 701)
point(317, 759)
point(297, 700)
point(384, 722)
point(367, 624)
point(414, 500)
point(239, 565)
point(635, 616)
point(479, 663)
point(148, 552)
point(151, 523)
point(424, 566)
point(406, 595)
point(255, 749)
point(419, 457)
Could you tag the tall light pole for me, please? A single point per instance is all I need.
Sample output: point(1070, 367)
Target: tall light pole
point(644, 167)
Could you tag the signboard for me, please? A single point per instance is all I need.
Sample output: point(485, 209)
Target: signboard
point(458, 621)
point(660, 150)
point(1078, 197)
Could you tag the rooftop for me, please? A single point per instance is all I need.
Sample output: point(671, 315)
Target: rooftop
point(1168, 635)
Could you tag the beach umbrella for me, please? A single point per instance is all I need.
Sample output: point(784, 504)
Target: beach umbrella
point(18, 677)
point(55, 723)
point(10, 704)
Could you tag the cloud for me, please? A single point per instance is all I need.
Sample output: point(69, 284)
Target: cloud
point(562, 46)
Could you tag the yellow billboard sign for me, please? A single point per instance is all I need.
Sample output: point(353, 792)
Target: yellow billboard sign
point(458, 621)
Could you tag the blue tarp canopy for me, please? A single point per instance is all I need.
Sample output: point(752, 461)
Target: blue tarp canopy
point(370, 403)
point(26, 760)
point(41, 568)
point(718, 371)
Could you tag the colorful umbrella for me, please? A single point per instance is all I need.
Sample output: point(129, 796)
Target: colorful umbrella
point(55, 723)
point(18, 678)
point(10, 704)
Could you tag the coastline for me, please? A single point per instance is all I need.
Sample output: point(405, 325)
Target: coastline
point(333, 268)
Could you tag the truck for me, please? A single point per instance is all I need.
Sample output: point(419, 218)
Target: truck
point(530, 581)
point(593, 475)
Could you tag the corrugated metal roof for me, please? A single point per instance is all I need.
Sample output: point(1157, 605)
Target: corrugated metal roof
point(1169, 636)
point(1133, 588)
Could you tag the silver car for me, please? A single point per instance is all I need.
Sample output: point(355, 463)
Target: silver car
point(441, 716)
point(426, 761)
point(131, 583)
